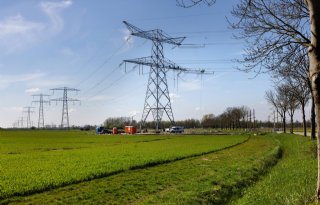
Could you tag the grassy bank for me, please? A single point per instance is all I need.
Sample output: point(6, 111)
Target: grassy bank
point(291, 181)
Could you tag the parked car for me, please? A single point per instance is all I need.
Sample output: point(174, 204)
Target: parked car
point(176, 129)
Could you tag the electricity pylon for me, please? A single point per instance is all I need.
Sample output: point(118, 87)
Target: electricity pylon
point(65, 101)
point(157, 100)
point(28, 111)
point(20, 122)
point(41, 101)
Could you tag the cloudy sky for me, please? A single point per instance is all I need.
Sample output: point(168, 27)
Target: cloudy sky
point(80, 44)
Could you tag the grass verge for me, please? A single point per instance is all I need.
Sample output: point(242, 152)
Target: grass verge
point(291, 181)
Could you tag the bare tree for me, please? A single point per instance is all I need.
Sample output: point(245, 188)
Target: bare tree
point(270, 26)
point(191, 3)
point(301, 93)
point(207, 120)
point(280, 102)
point(293, 103)
point(295, 73)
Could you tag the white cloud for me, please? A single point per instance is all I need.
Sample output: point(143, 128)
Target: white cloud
point(53, 10)
point(197, 108)
point(174, 96)
point(18, 25)
point(127, 36)
point(6, 80)
point(133, 113)
point(127, 39)
point(16, 32)
point(14, 109)
point(49, 82)
point(32, 90)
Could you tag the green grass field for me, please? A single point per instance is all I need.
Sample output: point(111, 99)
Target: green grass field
point(55, 167)
point(35, 161)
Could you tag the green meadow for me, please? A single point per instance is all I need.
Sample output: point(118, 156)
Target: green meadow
point(59, 167)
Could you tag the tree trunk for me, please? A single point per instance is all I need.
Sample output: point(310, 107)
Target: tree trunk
point(284, 123)
point(314, 57)
point(291, 121)
point(313, 113)
point(304, 119)
point(313, 118)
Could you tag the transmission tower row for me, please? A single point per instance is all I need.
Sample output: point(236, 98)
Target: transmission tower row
point(157, 99)
point(42, 100)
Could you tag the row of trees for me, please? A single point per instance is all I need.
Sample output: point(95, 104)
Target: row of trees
point(289, 96)
point(231, 118)
point(119, 122)
point(283, 38)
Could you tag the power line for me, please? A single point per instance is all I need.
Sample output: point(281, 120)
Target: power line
point(108, 86)
point(79, 71)
point(204, 61)
point(104, 63)
point(175, 17)
point(101, 81)
point(202, 32)
point(108, 75)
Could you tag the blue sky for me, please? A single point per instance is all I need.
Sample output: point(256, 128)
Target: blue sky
point(80, 44)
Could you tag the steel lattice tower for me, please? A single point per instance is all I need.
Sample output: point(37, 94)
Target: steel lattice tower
point(41, 101)
point(65, 99)
point(28, 111)
point(157, 100)
point(20, 122)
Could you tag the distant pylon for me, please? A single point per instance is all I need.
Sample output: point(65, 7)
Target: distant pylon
point(20, 122)
point(41, 101)
point(28, 111)
point(65, 99)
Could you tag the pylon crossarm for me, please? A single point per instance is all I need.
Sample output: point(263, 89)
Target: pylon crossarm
point(174, 41)
point(154, 35)
point(167, 64)
point(147, 61)
point(133, 29)
point(61, 99)
point(57, 99)
point(65, 88)
point(200, 71)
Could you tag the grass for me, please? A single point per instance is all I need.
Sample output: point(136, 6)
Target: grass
point(169, 169)
point(35, 161)
point(292, 180)
point(210, 178)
